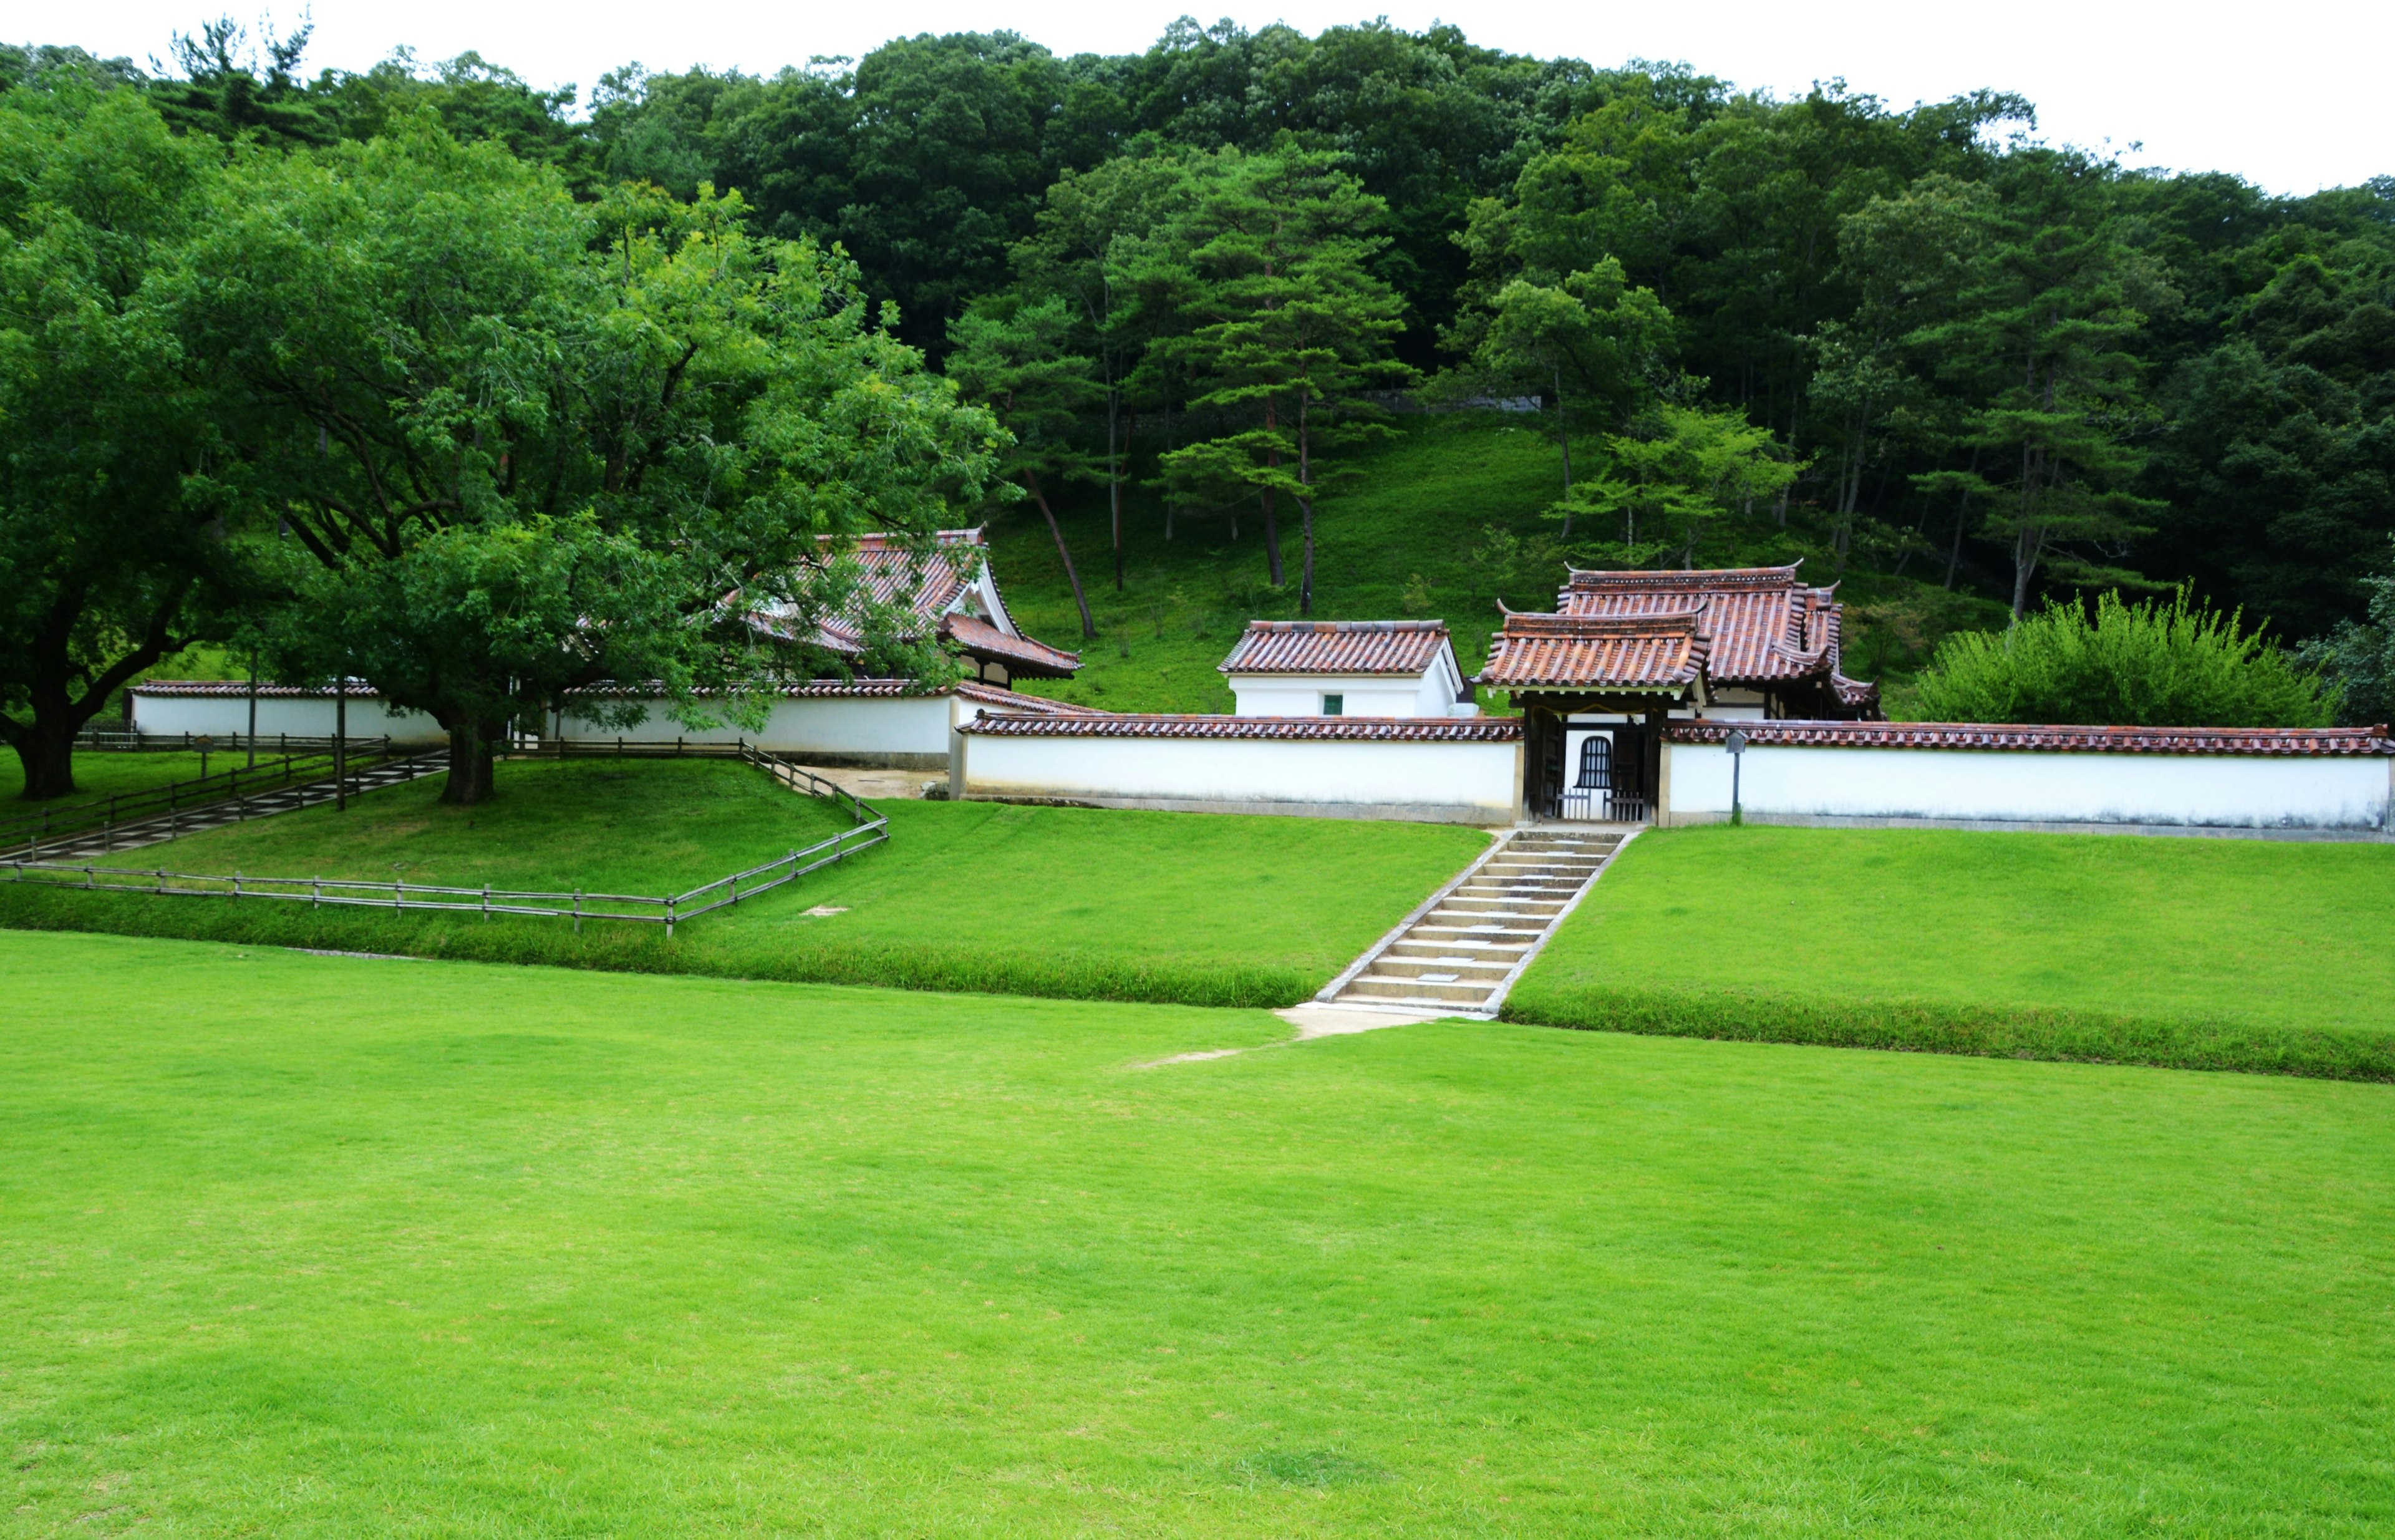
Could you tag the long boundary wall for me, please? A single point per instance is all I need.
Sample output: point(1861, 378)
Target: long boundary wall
point(1463, 771)
point(2339, 782)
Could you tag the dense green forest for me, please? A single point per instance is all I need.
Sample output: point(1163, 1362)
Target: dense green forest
point(1202, 287)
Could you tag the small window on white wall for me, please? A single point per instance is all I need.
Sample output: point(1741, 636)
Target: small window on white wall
point(1333, 705)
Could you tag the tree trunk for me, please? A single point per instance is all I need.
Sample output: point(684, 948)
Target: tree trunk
point(46, 743)
point(1961, 516)
point(1562, 437)
point(1305, 509)
point(1114, 505)
point(1272, 523)
point(1031, 480)
point(47, 755)
point(469, 764)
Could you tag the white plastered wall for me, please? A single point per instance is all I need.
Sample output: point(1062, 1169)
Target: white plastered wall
point(300, 716)
point(1996, 785)
point(1477, 783)
point(1432, 693)
point(898, 730)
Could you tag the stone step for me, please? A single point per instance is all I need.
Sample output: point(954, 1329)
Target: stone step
point(1385, 987)
point(1444, 970)
point(1507, 952)
point(1458, 933)
point(1475, 904)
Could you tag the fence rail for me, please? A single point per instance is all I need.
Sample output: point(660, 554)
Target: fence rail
point(60, 820)
point(94, 740)
point(669, 911)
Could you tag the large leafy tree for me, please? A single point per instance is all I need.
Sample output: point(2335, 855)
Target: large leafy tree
point(1015, 358)
point(1097, 246)
point(112, 552)
point(1592, 344)
point(1291, 329)
point(2042, 338)
point(519, 444)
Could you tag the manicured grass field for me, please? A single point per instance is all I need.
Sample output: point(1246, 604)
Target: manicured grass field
point(320, 1247)
point(1035, 901)
point(2224, 953)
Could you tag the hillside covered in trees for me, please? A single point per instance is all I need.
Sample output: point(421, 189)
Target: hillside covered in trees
point(1937, 356)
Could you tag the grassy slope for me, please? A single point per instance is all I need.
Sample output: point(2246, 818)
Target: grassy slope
point(107, 774)
point(1058, 902)
point(2230, 953)
point(316, 1247)
point(1418, 506)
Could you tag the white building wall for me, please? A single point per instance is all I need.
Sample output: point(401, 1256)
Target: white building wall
point(1363, 695)
point(900, 730)
point(2199, 790)
point(1432, 693)
point(300, 716)
point(1477, 783)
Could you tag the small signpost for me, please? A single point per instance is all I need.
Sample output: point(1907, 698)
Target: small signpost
point(203, 743)
point(1736, 744)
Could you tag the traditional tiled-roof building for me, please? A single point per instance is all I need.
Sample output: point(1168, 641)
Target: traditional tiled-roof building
point(1348, 668)
point(1624, 652)
point(952, 596)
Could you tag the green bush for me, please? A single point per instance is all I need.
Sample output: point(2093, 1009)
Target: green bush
point(1948, 1026)
point(2163, 664)
point(2360, 656)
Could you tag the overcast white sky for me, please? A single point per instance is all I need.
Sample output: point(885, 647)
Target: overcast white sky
point(2291, 95)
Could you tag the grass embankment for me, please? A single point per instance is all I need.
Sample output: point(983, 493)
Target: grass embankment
point(321, 1247)
point(1067, 902)
point(99, 775)
point(1417, 507)
point(2217, 954)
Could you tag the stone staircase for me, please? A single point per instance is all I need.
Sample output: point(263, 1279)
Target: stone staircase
point(1461, 954)
point(93, 843)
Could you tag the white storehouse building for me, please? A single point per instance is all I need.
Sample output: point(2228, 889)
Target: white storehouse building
point(1348, 668)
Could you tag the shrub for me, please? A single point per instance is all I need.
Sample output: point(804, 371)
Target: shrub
point(2360, 656)
point(2163, 664)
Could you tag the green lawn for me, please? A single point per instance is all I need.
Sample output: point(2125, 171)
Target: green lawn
point(613, 824)
point(107, 774)
point(2230, 954)
point(320, 1247)
point(1037, 900)
point(1417, 505)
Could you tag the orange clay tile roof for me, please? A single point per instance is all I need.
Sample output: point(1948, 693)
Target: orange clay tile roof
point(1764, 626)
point(927, 583)
point(2273, 741)
point(977, 636)
point(1663, 651)
point(1340, 729)
point(1028, 704)
point(1336, 647)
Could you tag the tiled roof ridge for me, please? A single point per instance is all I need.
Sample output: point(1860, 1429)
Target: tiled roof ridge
point(2038, 738)
point(993, 694)
point(1688, 622)
point(880, 539)
point(1336, 647)
point(1154, 725)
point(1588, 580)
point(358, 689)
point(1330, 628)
